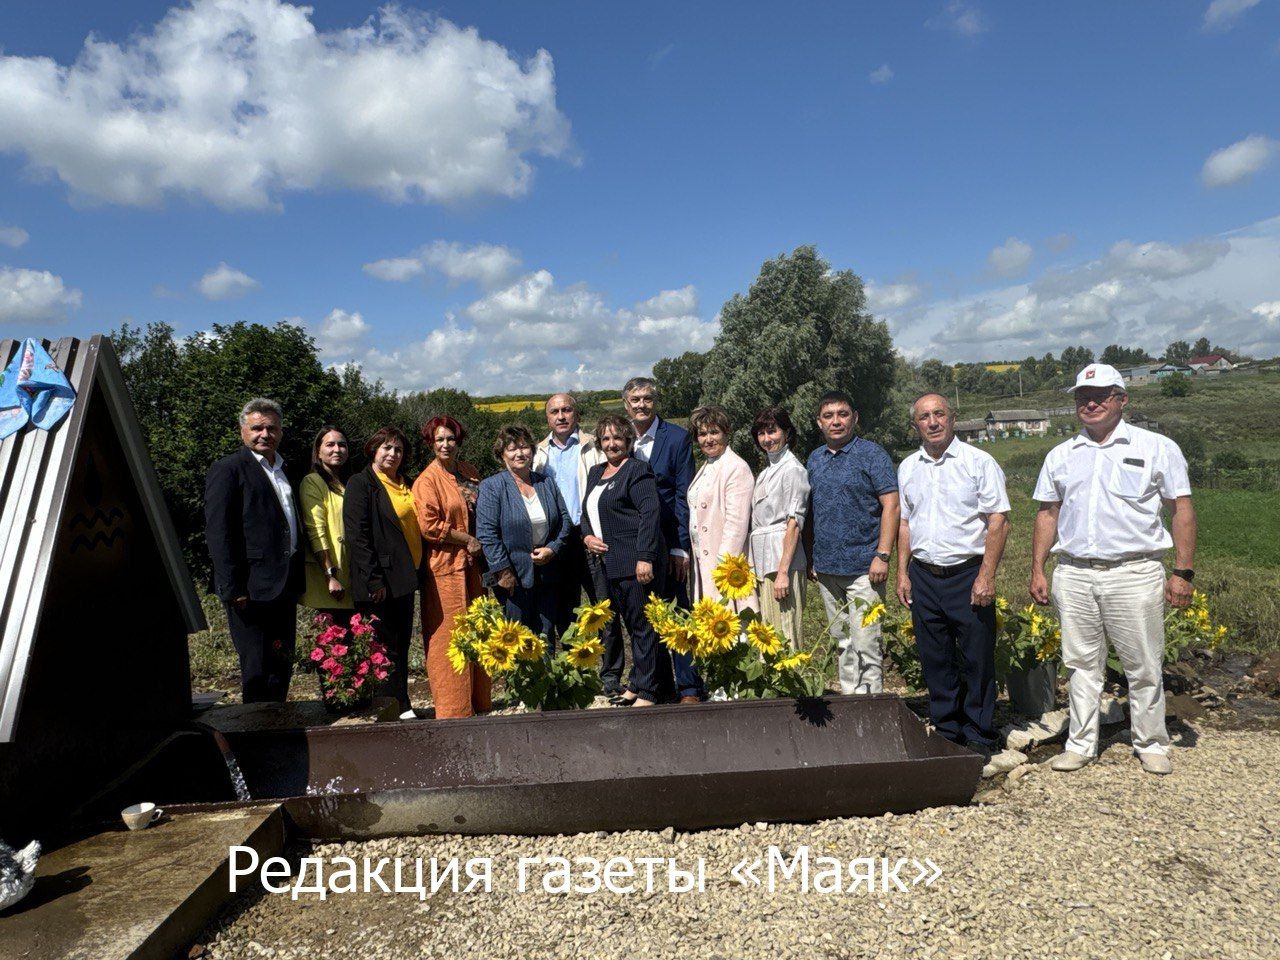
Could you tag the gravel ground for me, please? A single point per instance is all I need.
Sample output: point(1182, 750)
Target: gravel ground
point(1104, 862)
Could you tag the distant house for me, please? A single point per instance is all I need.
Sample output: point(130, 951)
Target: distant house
point(1210, 361)
point(1026, 421)
point(1137, 375)
point(971, 429)
point(1168, 369)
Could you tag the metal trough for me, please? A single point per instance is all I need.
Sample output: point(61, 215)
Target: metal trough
point(717, 764)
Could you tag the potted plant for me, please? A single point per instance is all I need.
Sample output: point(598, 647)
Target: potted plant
point(352, 664)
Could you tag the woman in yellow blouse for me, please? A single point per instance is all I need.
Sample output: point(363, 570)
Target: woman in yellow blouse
point(328, 587)
point(386, 550)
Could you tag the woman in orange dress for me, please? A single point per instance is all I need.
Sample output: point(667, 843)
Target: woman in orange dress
point(445, 497)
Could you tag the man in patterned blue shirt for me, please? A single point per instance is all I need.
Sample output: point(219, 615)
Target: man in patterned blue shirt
point(854, 510)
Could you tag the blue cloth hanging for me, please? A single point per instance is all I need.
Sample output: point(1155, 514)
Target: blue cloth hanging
point(33, 389)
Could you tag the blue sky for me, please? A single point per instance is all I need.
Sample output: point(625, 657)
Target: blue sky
point(509, 197)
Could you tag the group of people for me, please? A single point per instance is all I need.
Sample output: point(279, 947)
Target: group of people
point(622, 512)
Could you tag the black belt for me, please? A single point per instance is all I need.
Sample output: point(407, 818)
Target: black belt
point(951, 571)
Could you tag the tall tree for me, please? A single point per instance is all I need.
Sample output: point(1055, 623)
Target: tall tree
point(1119, 356)
point(1075, 359)
point(1178, 352)
point(680, 382)
point(801, 330)
point(1201, 347)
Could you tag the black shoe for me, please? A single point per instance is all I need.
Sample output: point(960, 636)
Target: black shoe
point(981, 749)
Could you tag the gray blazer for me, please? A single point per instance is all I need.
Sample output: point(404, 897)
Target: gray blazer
point(503, 528)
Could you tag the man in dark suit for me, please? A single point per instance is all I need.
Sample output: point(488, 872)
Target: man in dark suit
point(669, 452)
point(255, 540)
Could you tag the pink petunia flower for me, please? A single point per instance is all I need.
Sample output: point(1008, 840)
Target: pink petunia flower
point(357, 683)
point(378, 658)
point(339, 649)
point(380, 673)
point(317, 654)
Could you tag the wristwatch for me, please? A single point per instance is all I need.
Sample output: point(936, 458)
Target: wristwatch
point(1187, 575)
point(331, 572)
point(882, 556)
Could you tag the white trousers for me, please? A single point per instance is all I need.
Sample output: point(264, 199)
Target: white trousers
point(1124, 605)
point(860, 656)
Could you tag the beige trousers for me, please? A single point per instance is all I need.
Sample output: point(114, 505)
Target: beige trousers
point(1123, 605)
point(861, 670)
point(785, 617)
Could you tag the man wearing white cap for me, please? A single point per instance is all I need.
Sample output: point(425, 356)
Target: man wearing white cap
point(1100, 495)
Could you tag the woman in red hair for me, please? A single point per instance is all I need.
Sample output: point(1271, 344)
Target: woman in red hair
point(445, 496)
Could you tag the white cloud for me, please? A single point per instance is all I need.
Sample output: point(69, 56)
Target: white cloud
point(535, 335)
point(1060, 242)
point(34, 296)
point(13, 236)
point(240, 101)
point(487, 264)
point(960, 18)
point(1010, 258)
point(1238, 162)
point(1141, 294)
point(225, 282)
point(881, 74)
point(883, 297)
point(340, 330)
point(1222, 14)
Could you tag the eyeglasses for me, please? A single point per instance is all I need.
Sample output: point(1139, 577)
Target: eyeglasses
point(1084, 401)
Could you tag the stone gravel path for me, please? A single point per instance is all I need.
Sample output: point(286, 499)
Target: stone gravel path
point(1106, 862)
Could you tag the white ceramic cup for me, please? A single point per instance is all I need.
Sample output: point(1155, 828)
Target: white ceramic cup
point(139, 816)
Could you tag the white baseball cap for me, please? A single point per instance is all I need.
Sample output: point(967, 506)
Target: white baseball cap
point(1097, 375)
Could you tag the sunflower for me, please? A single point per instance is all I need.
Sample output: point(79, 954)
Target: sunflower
point(873, 615)
point(497, 658)
point(717, 628)
point(679, 638)
point(734, 577)
point(657, 612)
point(593, 619)
point(586, 655)
point(457, 658)
point(791, 662)
point(532, 647)
point(764, 638)
point(508, 634)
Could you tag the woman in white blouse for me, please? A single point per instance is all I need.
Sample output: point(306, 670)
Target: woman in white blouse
point(719, 503)
point(522, 522)
point(778, 509)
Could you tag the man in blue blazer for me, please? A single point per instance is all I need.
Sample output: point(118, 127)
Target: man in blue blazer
point(669, 452)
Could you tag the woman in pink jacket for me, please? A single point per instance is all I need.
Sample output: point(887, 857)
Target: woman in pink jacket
point(719, 503)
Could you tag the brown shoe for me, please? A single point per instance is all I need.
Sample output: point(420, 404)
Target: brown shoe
point(690, 699)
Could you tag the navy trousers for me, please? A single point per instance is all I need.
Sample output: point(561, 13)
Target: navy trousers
point(650, 659)
point(534, 606)
point(264, 634)
point(957, 644)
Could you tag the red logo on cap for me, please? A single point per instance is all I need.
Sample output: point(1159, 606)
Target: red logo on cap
point(1088, 374)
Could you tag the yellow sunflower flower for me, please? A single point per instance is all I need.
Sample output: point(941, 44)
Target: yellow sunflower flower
point(679, 638)
point(593, 619)
point(717, 628)
point(508, 634)
point(457, 658)
point(657, 612)
point(764, 638)
point(497, 658)
point(734, 577)
point(791, 662)
point(586, 655)
point(873, 615)
point(532, 647)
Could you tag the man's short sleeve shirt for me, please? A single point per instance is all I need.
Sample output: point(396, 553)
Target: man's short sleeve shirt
point(845, 490)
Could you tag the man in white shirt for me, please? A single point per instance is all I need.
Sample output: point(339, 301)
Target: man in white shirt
point(951, 535)
point(1100, 497)
point(253, 534)
point(565, 455)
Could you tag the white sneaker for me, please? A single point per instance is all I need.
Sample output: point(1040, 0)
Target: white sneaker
point(1157, 763)
point(408, 715)
point(1069, 760)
